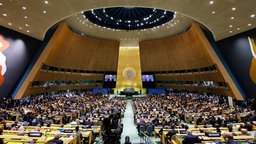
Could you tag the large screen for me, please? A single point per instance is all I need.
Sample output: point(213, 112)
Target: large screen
point(147, 78)
point(109, 81)
point(110, 78)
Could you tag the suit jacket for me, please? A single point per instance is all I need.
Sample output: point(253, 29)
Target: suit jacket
point(56, 141)
point(191, 139)
point(171, 133)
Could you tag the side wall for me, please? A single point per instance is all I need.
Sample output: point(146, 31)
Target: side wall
point(237, 53)
point(19, 54)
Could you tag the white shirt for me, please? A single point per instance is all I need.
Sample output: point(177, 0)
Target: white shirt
point(3, 63)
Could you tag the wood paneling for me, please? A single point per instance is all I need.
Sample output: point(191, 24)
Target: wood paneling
point(58, 76)
point(187, 51)
point(199, 76)
point(74, 51)
point(68, 50)
point(184, 51)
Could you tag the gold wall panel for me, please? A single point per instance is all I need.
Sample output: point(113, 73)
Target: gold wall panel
point(129, 70)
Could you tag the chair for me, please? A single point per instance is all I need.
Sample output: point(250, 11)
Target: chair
point(150, 130)
point(141, 129)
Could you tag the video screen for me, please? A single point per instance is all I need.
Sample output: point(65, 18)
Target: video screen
point(110, 78)
point(109, 81)
point(147, 78)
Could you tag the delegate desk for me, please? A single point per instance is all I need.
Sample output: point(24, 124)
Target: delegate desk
point(195, 131)
point(206, 139)
point(87, 134)
point(22, 139)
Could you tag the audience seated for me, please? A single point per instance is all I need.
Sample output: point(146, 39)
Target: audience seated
point(1, 132)
point(229, 138)
point(56, 139)
point(190, 138)
point(168, 112)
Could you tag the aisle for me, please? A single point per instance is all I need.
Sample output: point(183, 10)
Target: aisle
point(129, 126)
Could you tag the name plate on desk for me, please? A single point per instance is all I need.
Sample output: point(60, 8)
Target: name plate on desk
point(183, 132)
point(68, 131)
point(213, 134)
point(34, 134)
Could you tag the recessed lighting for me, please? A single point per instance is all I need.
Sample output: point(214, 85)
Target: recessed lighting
point(231, 17)
point(24, 8)
point(253, 15)
point(46, 2)
point(9, 23)
point(20, 27)
point(238, 28)
point(25, 17)
point(249, 24)
point(230, 26)
point(233, 8)
point(44, 11)
point(213, 12)
point(1, 4)
point(26, 24)
point(211, 2)
point(230, 31)
point(4, 14)
point(27, 30)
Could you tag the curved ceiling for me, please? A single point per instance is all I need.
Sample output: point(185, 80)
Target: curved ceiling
point(223, 17)
point(123, 18)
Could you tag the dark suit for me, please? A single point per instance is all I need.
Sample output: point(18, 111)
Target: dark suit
point(191, 139)
point(110, 79)
point(171, 133)
point(55, 141)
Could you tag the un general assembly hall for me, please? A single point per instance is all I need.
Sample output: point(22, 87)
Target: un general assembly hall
point(127, 72)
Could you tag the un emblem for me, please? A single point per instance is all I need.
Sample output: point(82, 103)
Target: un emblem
point(129, 73)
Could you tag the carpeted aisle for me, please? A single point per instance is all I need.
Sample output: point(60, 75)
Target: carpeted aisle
point(129, 126)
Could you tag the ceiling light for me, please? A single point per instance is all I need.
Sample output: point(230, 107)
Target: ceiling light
point(211, 2)
point(46, 2)
point(4, 14)
point(26, 24)
point(1, 4)
point(213, 12)
point(230, 31)
point(238, 28)
point(230, 26)
point(44, 11)
point(233, 8)
point(27, 30)
point(9, 23)
point(24, 8)
point(20, 27)
point(249, 24)
point(25, 17)
point(253, 15)
point(231, 17)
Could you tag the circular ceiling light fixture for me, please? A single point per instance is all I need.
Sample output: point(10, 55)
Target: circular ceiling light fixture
point(129, 18)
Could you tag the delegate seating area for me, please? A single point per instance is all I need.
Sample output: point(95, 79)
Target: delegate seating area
point(37, 119)
point(206, 114)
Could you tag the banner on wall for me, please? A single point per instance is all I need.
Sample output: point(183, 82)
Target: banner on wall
point(253, 63)
point(4, 44)
point(16, 53)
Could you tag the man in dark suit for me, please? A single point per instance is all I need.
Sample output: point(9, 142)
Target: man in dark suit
point(191, 139)
point(110, 78)
point(147, 78)
point(56, 139)
point(171, 133)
